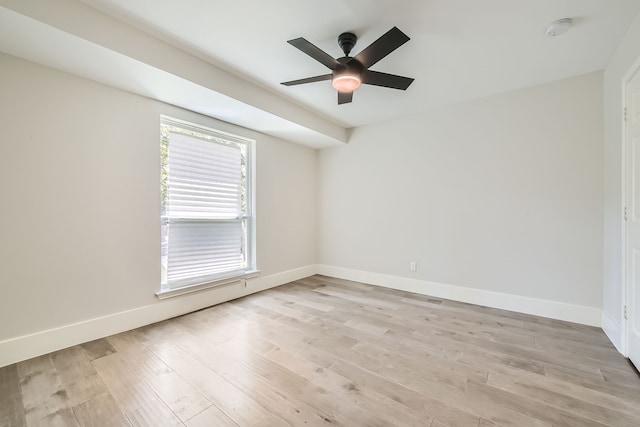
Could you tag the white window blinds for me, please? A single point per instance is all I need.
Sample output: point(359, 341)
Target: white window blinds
point(204, 179)
point(205, 214)
point(203, 249)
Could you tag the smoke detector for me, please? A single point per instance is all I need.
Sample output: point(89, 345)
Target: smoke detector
point(559, 27)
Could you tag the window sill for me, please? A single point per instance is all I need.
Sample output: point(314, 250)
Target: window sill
point(196, 287)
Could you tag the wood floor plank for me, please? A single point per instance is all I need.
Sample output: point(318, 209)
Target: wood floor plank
point(100, 411)
point(555, 399)
point(442, 394)
point(124, 384)
point(594, 382)
point(484, 394)
point(282, 308)
point(80, 379)
point(391, 390)
point(396, 364)
point(183, 399)
point(352, 288)
point(325, 351)
point(519, 351)
point(11, 405)
point(588, 335)
point(350, 392)
point(140, 360)
point(369, 301)
point(406, 396)
point(230, 399)
point(152, 414)
point(284, 403)
point(98, 348)
point(132, 396)
point(211, 417)
point(622, 373)
point(554, 391)
point(44, 397)
point(210, 327)
point(298, 344)
point(275, 387)
point(448, 310)
point(293, 297)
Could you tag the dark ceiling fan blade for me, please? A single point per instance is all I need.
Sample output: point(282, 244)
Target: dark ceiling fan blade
point(315, 52)
point(387, 43)
point(307, 80)
point(392, 81)
point(345, 97)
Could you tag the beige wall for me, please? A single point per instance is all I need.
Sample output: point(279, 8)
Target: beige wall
point(627, 53)
point(503, 194)
point(79, 204)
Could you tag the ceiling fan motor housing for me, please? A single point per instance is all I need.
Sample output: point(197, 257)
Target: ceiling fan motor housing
point(349, 64)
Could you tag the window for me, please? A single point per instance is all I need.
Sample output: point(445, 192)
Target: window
point(207, 218)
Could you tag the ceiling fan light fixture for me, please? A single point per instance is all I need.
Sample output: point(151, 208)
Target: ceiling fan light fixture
point(346, 82)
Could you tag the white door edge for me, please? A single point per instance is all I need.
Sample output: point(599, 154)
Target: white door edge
point(627, 282)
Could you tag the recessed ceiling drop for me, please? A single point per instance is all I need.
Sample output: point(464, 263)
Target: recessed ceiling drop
point(348, 73)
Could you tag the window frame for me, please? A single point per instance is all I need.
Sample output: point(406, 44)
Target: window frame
point(182, 287)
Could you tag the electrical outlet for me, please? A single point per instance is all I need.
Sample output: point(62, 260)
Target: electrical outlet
point(413, 266)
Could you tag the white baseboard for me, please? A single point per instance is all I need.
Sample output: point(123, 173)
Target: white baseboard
point(613, 330)
point(552, 309)
point(25, 347)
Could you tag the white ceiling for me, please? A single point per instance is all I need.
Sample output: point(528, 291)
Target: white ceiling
point(459, 49)
point(226, 59)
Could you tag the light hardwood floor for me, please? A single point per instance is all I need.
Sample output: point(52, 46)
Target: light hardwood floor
point(327, 351)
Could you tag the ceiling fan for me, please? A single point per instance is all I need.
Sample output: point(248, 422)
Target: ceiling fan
point(348, 73)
